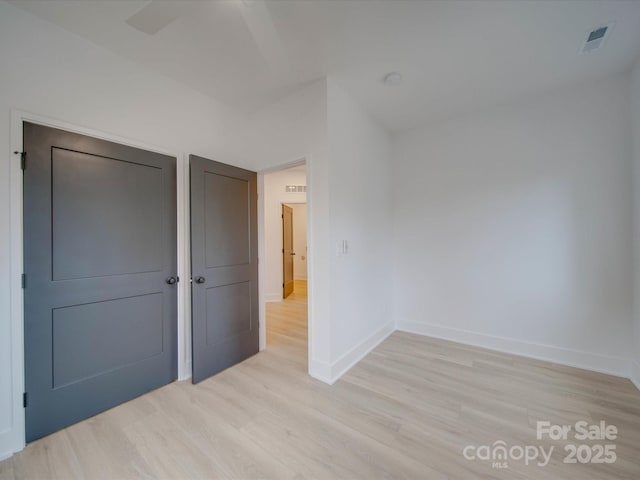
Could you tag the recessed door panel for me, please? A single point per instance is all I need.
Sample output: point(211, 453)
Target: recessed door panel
point(228, 311)
point(99, 246)
point(108, 206)
point(228, 246)
point(95, 338)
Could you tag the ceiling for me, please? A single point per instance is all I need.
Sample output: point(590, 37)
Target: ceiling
point(454, 56)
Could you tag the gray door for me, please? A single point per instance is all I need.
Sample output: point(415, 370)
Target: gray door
point(100, 265)
point(224, 266)
point(287, 251)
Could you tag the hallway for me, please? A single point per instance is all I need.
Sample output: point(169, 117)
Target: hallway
point(287, 320)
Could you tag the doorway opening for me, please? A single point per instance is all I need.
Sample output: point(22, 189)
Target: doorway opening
point(285, 260)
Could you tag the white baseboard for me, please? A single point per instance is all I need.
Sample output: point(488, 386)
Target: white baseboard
point(11, 442)
point(320, 371)
point(5, 455)
point(353, 356)
point(185, 373)
point(330, 373)
point(635, 373)
point(273, 297)
point(611, 365)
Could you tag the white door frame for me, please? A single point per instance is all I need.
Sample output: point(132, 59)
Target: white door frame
point(15, 281)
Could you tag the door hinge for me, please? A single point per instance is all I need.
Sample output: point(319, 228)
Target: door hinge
point(25, 399)
point(23, 159)
point(283, 285)
point(23, 280)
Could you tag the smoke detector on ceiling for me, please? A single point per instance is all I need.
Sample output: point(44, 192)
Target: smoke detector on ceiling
point(596, 38)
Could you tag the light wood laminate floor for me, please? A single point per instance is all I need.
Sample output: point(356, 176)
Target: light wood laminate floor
point(406, 411)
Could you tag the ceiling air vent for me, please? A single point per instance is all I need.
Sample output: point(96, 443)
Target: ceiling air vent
point(596, 38)
point(295, 188)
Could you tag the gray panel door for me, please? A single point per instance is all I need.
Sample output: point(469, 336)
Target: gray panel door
point(224, 266)
point(100, 265)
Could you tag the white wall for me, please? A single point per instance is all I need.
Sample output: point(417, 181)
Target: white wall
point(299, 241)
point(635, 105)
point(513, 227)
point(274, 196)
point(359, 186)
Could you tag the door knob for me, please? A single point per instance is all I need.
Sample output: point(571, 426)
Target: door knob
point(172, 280)
point(200, 279)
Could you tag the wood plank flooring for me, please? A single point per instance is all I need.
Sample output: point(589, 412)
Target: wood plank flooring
point(406, 411)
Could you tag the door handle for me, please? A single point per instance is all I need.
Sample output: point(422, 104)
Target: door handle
point(172, 280)
point(293, 253)
point(200, 279)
